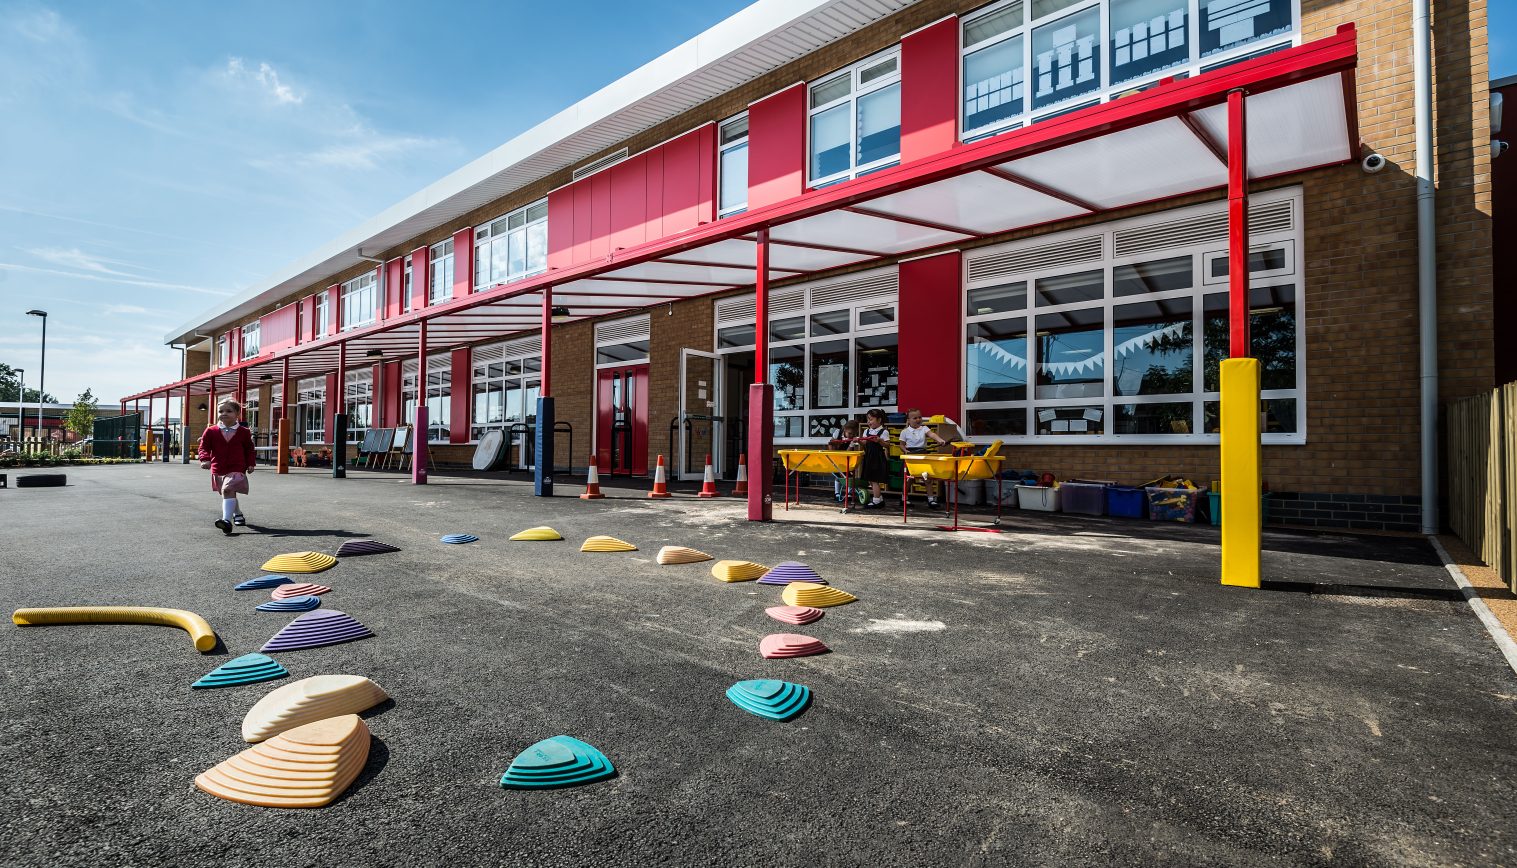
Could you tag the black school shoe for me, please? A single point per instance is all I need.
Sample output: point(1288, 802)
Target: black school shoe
point(238, 520)
point(226, 526)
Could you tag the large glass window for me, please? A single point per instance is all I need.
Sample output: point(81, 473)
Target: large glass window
point(358, 403)
point(855, 120)
point(1064, 59)
point(250, 336)
point(360, 299)
point(1229, 24)
point(223, 352)
point(505, 391)
point(440, 272)
point(405, 288)
point(439, 400)
point(311, 410)
point(1147, 36)
point(511, 247)
point(322, 315)
point(732, 166)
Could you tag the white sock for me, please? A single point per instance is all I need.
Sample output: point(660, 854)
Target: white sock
point(236, 507)
point(227, 505)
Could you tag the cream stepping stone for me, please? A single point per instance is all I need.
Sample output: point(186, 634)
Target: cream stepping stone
point(306, 767)
point(607, 544)
point(738, 571)
point(537, 534)
point(681, 555)
point(308, 700)
point(814, 595)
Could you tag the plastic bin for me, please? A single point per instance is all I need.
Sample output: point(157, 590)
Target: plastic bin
point(971, 492)
point(1126, 502)
point(1007, 492)
point(1214, 507)
point(1037, 497)
point(1173, 504)
point(1085, 498)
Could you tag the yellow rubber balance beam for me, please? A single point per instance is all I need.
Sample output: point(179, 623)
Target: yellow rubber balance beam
point(189, 622)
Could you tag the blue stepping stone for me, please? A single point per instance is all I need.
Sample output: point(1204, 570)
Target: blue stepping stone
point(247, 669)
point(460, 538)
point(560, 761)
point(263, 583)
point(290, 604)
point(770, 698)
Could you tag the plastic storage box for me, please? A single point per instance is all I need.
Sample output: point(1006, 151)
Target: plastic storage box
point(971, 492)
point(1007, 492)
point(1086, 498)
point(1037, 497)
point(1126, 502)
point(1173, 504)
point(1214, 507)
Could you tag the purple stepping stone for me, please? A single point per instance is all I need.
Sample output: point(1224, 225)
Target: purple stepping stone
point(791, 571)
point(364, 547)
point(314, 629)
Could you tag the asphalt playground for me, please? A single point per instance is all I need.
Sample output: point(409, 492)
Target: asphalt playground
point(1072, 691)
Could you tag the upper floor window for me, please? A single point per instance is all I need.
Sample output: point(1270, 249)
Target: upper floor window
point(223, 352)
point(359, 298)
point(322, 305)
point(250, 339)
point(732, 166)
point(440, 273)
point(855, 120)
point(512, 247)
point(405, 288)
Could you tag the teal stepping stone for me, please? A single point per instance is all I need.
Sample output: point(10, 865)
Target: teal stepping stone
point(770, 698)
point(247, 669)
point(560, 761)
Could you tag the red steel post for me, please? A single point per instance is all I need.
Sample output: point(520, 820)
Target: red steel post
point(419, 433)
point(761, 395)
point(1237, 226)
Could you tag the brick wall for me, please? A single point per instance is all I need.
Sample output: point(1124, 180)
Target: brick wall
point(195, 419)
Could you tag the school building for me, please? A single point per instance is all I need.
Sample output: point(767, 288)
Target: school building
point(1032, 216)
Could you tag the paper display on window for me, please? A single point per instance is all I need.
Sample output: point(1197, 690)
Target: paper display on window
point(829, 385)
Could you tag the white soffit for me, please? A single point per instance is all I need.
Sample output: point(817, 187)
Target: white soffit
point(1289, 128)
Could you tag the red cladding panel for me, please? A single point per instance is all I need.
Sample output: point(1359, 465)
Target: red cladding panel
point(459, 398)
point(777, 147)
point(419, 278)
point(334, 308)
point(600, 214)
point(334, 400)
point(584, 207)
point(706, 153)
point(276, 331)
point(681, 183)
point(463, 262)
point(653, 169)
point(391, 396)
point(929, 90)
point(629, 202)
point(394, 283)
point(561, 228)
point(931, 318)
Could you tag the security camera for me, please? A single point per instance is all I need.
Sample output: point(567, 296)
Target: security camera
point(1372, 164)
point(1498, 147)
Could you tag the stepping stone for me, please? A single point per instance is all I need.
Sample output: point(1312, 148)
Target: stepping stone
point(307, 701)
point(681, 555)
point(247, 669)
point(300, 589)
point(812, 594)
point(606, 544)
point(737, 571)
point(791, 571)
point(315, 629)
point(560, 761)
point(792, 614)
point(355, 547)
point(456, 539)
point(765, 697)
point(537, 534)
point(299, 562)
point(292, 604)
point(307, 767)
point(263, 583)
point(790, 645)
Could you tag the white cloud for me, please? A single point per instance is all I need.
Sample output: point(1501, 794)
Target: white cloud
point(124, 308)
point(267, 77)
point(366, 153)
point(104, 278)
point(73, 257)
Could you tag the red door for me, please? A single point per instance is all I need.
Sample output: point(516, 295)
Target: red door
point(621, 425)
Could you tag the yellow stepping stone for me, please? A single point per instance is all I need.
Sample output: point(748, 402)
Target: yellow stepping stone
point(537, 534)
point(607, 544)
point(812, 594)
point(681, 555)
point(306, 767)
point(299, 562)
point(738, 571)
point(307, 701)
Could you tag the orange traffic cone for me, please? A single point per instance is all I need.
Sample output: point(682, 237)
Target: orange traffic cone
point(592, 483)
point(660, 481)
point(708, 487)
point(741, 488)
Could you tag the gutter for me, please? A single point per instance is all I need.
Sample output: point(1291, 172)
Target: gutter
point(1427, 262)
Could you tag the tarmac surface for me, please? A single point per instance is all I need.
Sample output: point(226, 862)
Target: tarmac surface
point(1073, 691)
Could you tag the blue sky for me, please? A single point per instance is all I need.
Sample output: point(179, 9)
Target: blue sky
point(155, 156)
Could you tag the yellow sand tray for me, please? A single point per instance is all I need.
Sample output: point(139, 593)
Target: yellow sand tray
point(307, 767)
point(812, 594)
point(537, 534)
point(681, 555)
point(607, 544)
point(309, 700)
point(299, 562)
point(737, 571)
point(189, 622)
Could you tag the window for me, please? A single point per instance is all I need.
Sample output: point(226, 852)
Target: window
point(320, 326)
point(358, 403)
point(623, 341)
point(250, 410)
point(440, 272)
point(506, 378)
point(732, 166)
point(511, 247)
point(223, 352)
point(250, 339)
point(1128, 348)
point(310, 423)
point(1075, 53)
point(360, 297)
point(855, 120)
point(439, 395)
point(405, 288)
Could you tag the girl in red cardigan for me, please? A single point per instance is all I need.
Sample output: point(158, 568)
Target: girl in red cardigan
point(227, 451)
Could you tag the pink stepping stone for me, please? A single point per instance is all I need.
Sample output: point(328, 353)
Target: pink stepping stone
point(790, 645)
point(303, 589)
point(794, 614)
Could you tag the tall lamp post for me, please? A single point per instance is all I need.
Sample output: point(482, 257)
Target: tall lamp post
point(20, 398)
point(42, 374)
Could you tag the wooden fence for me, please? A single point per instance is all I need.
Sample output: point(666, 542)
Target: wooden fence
point(1482, 467)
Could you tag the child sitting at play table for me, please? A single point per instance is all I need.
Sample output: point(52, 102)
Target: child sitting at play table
point(914, 438)
point(842, 439)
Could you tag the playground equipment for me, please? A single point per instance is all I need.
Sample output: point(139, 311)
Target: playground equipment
point(306, 767)
point(607, 544)
point(315, 629)
point(811, 594)
point(301, 589)
point(537, 534)
point(954, 469)
point(835, 462)
point(560, 761)
point(355, 547)
point(791, 571)
point(794, 614)
point(737, 571)
point(263, 582)
point(299, 562)
point(769, 698)
point(247, 669)
point(680, 555)
point(189, 622)
point(458, 539)
point(307, 701)
point(777, 645)
point(293, 604)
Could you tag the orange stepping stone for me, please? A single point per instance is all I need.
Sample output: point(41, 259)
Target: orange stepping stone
point(306, 767)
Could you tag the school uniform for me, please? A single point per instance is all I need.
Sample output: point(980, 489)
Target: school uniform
point(875, 466)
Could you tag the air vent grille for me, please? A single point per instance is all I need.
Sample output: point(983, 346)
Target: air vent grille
point(637, 328)
point(875, 286)
point(589, 169)
point(1071, 251)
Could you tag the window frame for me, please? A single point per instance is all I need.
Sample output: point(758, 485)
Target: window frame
point(440, 264)
point(856, 91)
point(721, 151)
point(364, 285)
point(524, 380)
point(321, 313)
point(255, 330)
point(487, 234)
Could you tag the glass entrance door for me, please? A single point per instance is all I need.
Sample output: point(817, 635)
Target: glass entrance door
point(699, 422)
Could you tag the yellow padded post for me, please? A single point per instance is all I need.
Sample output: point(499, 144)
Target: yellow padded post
point(1241, 474)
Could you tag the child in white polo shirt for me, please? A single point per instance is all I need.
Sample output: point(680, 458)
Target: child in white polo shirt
point(914, 438)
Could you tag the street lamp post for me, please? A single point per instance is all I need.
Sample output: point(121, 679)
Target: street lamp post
point(20, 397)
point(42, 374)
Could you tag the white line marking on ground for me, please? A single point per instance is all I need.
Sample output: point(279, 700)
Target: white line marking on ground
point(1482, 611)
point(900, 625)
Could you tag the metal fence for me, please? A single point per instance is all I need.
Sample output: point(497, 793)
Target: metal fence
point(118, 436)
point(1482, 468)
